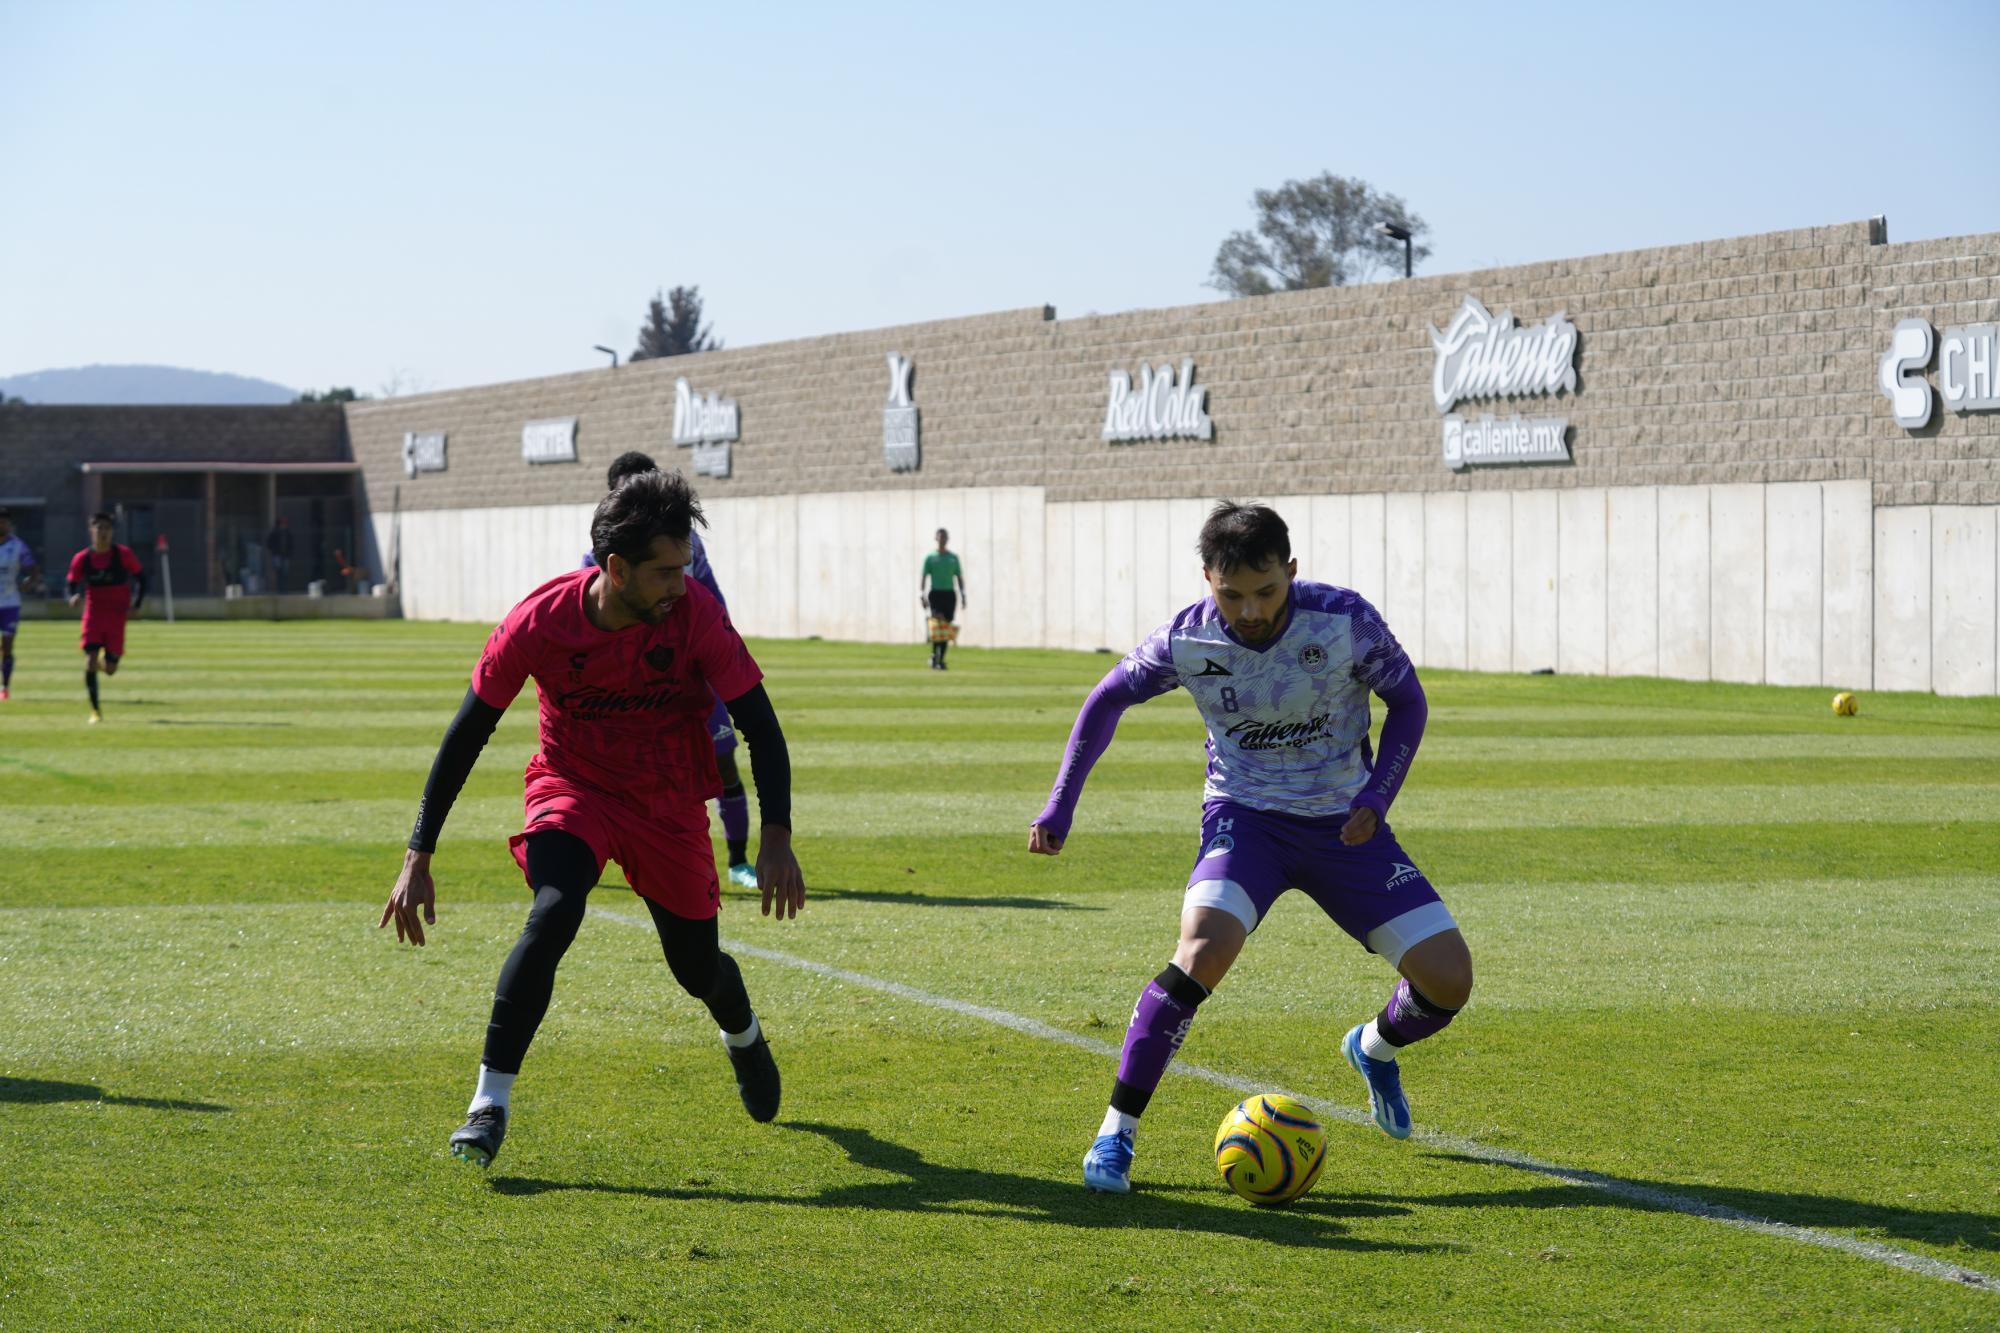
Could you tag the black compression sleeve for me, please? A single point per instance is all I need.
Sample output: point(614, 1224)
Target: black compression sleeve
point(770, 762)
point(138, 590)
point(463, 740)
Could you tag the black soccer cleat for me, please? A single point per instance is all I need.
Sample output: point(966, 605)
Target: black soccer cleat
point(756, 1078)
point(478, 1139)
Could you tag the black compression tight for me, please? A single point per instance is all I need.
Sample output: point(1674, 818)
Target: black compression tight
point(564, 870)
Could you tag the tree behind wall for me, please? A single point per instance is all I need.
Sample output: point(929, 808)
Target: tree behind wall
point(673, 326)
point(1321, 232)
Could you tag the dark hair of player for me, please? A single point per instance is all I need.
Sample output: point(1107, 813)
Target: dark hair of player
point(644, 507)
point(104, 517)
point(1237, 535)
point(6, 512)
point(628, 464)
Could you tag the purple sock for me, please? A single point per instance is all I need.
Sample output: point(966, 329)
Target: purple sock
point(1160, 1023)
point(735, 816)
point(1410, 1017)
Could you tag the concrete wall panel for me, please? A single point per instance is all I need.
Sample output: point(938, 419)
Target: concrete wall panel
point(1794, 583)
point(1087, 578)
point(1118, 573)
point(1327, 560)
point(1962, 599)
point(1632, 581)
point(1489, 581)
point(1403, 572)
point(1847, 565)
point(1903, 598)
point(1184, 580)
point(1058, 581)
point(1152, 572)
point(1736, 583)
point(1444, 566)
point(1535, 603)
point(1368, 548)
point(1684, 583)
point(1580, 582)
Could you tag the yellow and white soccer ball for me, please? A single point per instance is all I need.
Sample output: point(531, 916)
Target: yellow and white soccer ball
point(1270, 1148)
point(1845, 704)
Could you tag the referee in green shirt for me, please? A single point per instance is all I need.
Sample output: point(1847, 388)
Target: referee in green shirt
point(941, 573)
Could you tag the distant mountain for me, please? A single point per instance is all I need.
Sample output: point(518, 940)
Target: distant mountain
point(141, 384)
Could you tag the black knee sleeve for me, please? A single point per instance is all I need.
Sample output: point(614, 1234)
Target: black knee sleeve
point(564, 869)
point(1181, 986)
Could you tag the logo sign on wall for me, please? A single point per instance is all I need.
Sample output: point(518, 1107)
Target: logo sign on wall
point(551, 441)
point(706, 425)
point(1968, 362)
point(1483, 355)
point(900, 427)
point(423, 451)
point(1165, 406)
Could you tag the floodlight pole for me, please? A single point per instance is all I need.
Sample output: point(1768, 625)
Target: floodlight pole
point(1396, 233)
point(600, 347)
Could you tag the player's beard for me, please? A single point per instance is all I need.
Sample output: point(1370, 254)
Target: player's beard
point(651, 613)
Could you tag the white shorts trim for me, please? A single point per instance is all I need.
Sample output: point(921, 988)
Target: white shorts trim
point(1394, 937)
point(1224, 894)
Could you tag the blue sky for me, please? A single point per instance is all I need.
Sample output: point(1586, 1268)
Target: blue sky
point(430, 196)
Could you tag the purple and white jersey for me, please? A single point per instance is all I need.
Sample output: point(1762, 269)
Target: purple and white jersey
point(1287, 720)
point(15, 560)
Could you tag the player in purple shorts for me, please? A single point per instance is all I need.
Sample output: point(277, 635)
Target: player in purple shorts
point(734, 803)
point(1295, 799)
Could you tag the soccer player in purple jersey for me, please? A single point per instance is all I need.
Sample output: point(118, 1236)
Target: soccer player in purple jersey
point(1295, 799)
point(734, 803)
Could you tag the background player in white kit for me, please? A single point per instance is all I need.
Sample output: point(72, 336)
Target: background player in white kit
point(1295, 798)
point(18, 574)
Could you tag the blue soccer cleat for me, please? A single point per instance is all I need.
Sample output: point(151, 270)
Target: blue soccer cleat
point(743, 875)
point(1107, 1167)
point(1385, 1087)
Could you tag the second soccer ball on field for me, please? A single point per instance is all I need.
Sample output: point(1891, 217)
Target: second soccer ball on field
point(1269, 1149)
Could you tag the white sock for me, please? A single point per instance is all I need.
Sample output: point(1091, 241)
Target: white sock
point(1374, 1045)
point(747, 1037)
point(1116, 1122)
point(493, 1089)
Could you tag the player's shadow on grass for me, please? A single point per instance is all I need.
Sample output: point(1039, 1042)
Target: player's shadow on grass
point(42, 1092)
point(926, 1187)
point(1979, 1231)
point(912, 898)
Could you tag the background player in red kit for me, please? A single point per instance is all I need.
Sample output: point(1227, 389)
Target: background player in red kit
point(111, 583)
point(624, 658)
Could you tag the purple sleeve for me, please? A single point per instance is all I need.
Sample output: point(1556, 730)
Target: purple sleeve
point(1402, 732)
point(1119, 690)
point(702, 572)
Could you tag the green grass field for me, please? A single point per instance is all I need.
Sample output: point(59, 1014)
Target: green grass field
point(1730, 948)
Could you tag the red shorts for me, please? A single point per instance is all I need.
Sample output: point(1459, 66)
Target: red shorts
point(106, 632)
point(667, 859)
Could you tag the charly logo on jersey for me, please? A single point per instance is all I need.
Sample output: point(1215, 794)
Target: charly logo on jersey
point(1313, 657)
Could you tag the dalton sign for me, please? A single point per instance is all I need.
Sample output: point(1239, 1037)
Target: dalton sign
point(1164, 406)
point(707, 426)
point(1483, 355)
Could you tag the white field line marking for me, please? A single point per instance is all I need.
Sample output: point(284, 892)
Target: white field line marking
point(1623, 1189)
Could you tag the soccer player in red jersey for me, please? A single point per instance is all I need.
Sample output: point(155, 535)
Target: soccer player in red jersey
point(624, 658)
point(108, 579)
